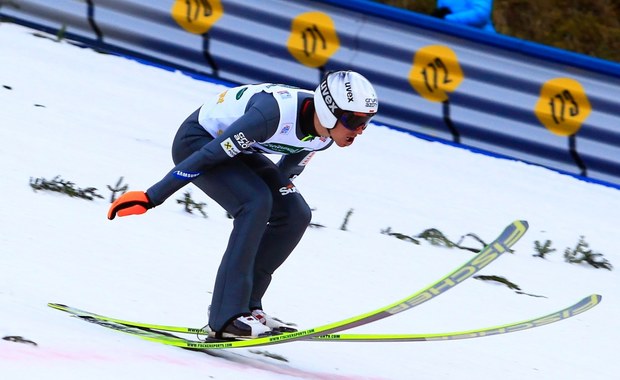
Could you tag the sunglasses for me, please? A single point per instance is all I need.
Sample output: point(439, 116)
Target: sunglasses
point(355, 120)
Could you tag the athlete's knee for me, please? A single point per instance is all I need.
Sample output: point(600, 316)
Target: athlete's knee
point(305, 214)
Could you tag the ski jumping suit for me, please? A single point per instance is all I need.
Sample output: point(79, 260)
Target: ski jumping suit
point(218, 148)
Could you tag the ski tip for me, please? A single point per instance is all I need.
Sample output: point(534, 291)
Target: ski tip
point(524, 223)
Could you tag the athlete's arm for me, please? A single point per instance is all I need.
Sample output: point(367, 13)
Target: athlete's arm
point(258, 123)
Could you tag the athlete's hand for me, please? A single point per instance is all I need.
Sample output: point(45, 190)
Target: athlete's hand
point(130, 203)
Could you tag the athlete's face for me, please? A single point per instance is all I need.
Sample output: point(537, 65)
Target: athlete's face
point(343, 136)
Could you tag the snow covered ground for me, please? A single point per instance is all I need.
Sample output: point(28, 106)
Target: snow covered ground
point(92, 118)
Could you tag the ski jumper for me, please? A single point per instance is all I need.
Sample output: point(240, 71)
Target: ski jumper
point(220, 149)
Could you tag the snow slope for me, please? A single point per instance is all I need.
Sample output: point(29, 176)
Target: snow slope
point(92, 118)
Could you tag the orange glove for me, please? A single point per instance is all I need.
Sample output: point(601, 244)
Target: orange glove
point(130, 203)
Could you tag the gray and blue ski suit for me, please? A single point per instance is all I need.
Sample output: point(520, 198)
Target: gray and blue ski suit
point(220, 149)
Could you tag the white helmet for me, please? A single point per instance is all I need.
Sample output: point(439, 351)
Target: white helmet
point(345, 96)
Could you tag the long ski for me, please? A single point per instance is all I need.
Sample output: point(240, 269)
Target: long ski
point(146, 331)
point(511, 234)
point(583, 305)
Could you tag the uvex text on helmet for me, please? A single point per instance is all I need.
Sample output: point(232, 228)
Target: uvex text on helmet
point(344, 91)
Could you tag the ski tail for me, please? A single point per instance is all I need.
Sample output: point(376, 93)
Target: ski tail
point(152, 326)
